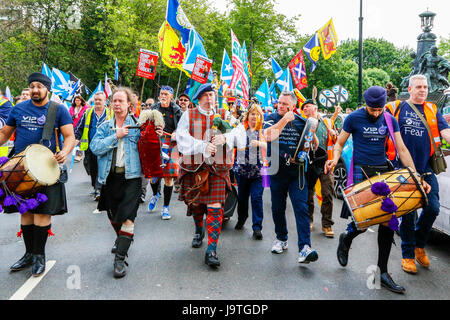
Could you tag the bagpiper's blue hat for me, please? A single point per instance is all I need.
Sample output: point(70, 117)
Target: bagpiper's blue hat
point(203, 88)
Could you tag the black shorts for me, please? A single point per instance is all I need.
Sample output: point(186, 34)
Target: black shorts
point(55, 205)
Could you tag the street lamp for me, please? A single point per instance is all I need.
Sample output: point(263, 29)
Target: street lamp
point(427, 18)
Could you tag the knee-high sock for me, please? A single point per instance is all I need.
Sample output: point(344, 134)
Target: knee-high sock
point(167, 194)
point(156, 187)
point(197, 213)
point(27, 232)
point(385, 236)
point(214, 226)
point(127, 230)
point(40, 236)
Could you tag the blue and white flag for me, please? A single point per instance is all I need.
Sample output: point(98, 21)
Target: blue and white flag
point(276, 69)
point(98, 89)
point(116, 70)
point(273, 92)
point(74, 90)
point(312, 50)
point(285, 81)
point(46, 70)
point(195, 48)
point(263, 94)
point(60, 83)
point(227, 68)
point(177, 19)
point(8, 94)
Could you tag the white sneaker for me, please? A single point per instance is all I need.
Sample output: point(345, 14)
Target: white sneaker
point(279, 246)
point(307, 255)
point(96, 211)
point(165, 214)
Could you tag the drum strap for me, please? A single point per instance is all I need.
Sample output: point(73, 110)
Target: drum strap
point(49, 122)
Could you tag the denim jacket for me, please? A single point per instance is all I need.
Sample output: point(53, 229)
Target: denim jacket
point(103, 144)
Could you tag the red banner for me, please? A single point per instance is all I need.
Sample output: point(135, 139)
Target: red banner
point(201, 69)
point(146, 67)
point(297, 67)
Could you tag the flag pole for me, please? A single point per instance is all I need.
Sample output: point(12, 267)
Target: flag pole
point(360, 55)
point(178, 85)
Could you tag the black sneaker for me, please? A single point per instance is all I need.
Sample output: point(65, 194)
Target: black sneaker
point(239, 225)
point(257, 235)
point(211, 259)
point(197, 241)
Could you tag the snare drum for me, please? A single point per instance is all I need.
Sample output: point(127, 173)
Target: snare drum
point(230, 203)
point(28, 171)
point(406, 192)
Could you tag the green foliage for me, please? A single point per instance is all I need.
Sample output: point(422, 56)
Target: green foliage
point(111, 29)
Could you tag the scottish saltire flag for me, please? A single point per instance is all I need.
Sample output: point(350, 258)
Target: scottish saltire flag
point(116, 70)
point(276, 69)
point(98, 89)
point(312, 50)
point(61, 83)
point(273, 92)
point(285, 81)
point(46, 70)
point(263, 94)
point(227, 68)
point(195, 48)
point(73, 90)
point(177, 19)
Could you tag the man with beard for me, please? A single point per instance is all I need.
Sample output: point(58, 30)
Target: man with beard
point(27, 120)
point(172, 114)
point(369, 129)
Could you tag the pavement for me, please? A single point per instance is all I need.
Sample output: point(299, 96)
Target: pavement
point(164, 266)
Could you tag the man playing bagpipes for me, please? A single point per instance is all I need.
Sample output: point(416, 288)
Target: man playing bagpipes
point(204, 170)
point(172, 114)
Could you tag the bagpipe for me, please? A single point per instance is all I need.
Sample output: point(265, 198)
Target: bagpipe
point(153, 155)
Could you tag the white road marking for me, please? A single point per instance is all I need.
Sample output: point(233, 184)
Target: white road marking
point(31, 283)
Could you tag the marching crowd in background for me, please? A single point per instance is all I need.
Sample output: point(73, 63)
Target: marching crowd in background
point(106, 137)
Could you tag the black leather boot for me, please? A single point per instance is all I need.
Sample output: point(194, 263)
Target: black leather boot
point(197, 240)
point(342, 251)
point(388, 283)
point(38, 267)
point(120, 265)
point(211, 259)
point(23, 262)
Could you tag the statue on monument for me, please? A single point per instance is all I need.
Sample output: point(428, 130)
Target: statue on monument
point(436, 69)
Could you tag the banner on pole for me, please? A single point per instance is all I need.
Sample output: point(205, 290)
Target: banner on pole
point(201, 69)
point(146, 67)
point(297, 67)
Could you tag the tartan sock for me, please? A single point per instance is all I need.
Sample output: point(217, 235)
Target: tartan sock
point(40, 236)
point(214, 220)
point(167, 194)
point(27, 232)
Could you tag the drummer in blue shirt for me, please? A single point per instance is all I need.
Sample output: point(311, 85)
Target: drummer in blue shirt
point(369, 129)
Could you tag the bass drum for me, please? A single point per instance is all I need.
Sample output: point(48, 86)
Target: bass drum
point(230, 203)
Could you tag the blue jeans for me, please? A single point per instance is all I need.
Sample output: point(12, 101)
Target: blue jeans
point(250, 188)
point(415, 233)
point(280, 185)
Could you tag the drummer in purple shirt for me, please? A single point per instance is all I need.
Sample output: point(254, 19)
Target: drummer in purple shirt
point(370, 130)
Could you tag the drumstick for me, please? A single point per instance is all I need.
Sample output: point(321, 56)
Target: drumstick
point(56, 138)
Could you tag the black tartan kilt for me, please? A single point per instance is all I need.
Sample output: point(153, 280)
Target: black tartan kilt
point(55, 205)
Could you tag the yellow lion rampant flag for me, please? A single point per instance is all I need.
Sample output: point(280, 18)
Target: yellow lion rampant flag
point(328, 39)
point(171, 49)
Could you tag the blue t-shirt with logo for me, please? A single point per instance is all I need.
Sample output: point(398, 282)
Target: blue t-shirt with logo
point(369, 138)
point(29, 121)
point(287, 142)
point(415, 135)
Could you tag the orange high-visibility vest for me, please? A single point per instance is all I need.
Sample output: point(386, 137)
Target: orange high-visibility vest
point(430, 110)
point(330, 143)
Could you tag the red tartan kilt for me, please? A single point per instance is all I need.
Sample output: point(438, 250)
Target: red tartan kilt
point(218, 188)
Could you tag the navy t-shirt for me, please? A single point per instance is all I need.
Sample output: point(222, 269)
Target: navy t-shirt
point(415, 135)
point(287, 142)
point(369, 138)
point(29, 121)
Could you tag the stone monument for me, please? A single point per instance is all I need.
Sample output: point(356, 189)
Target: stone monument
point(428, 62)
